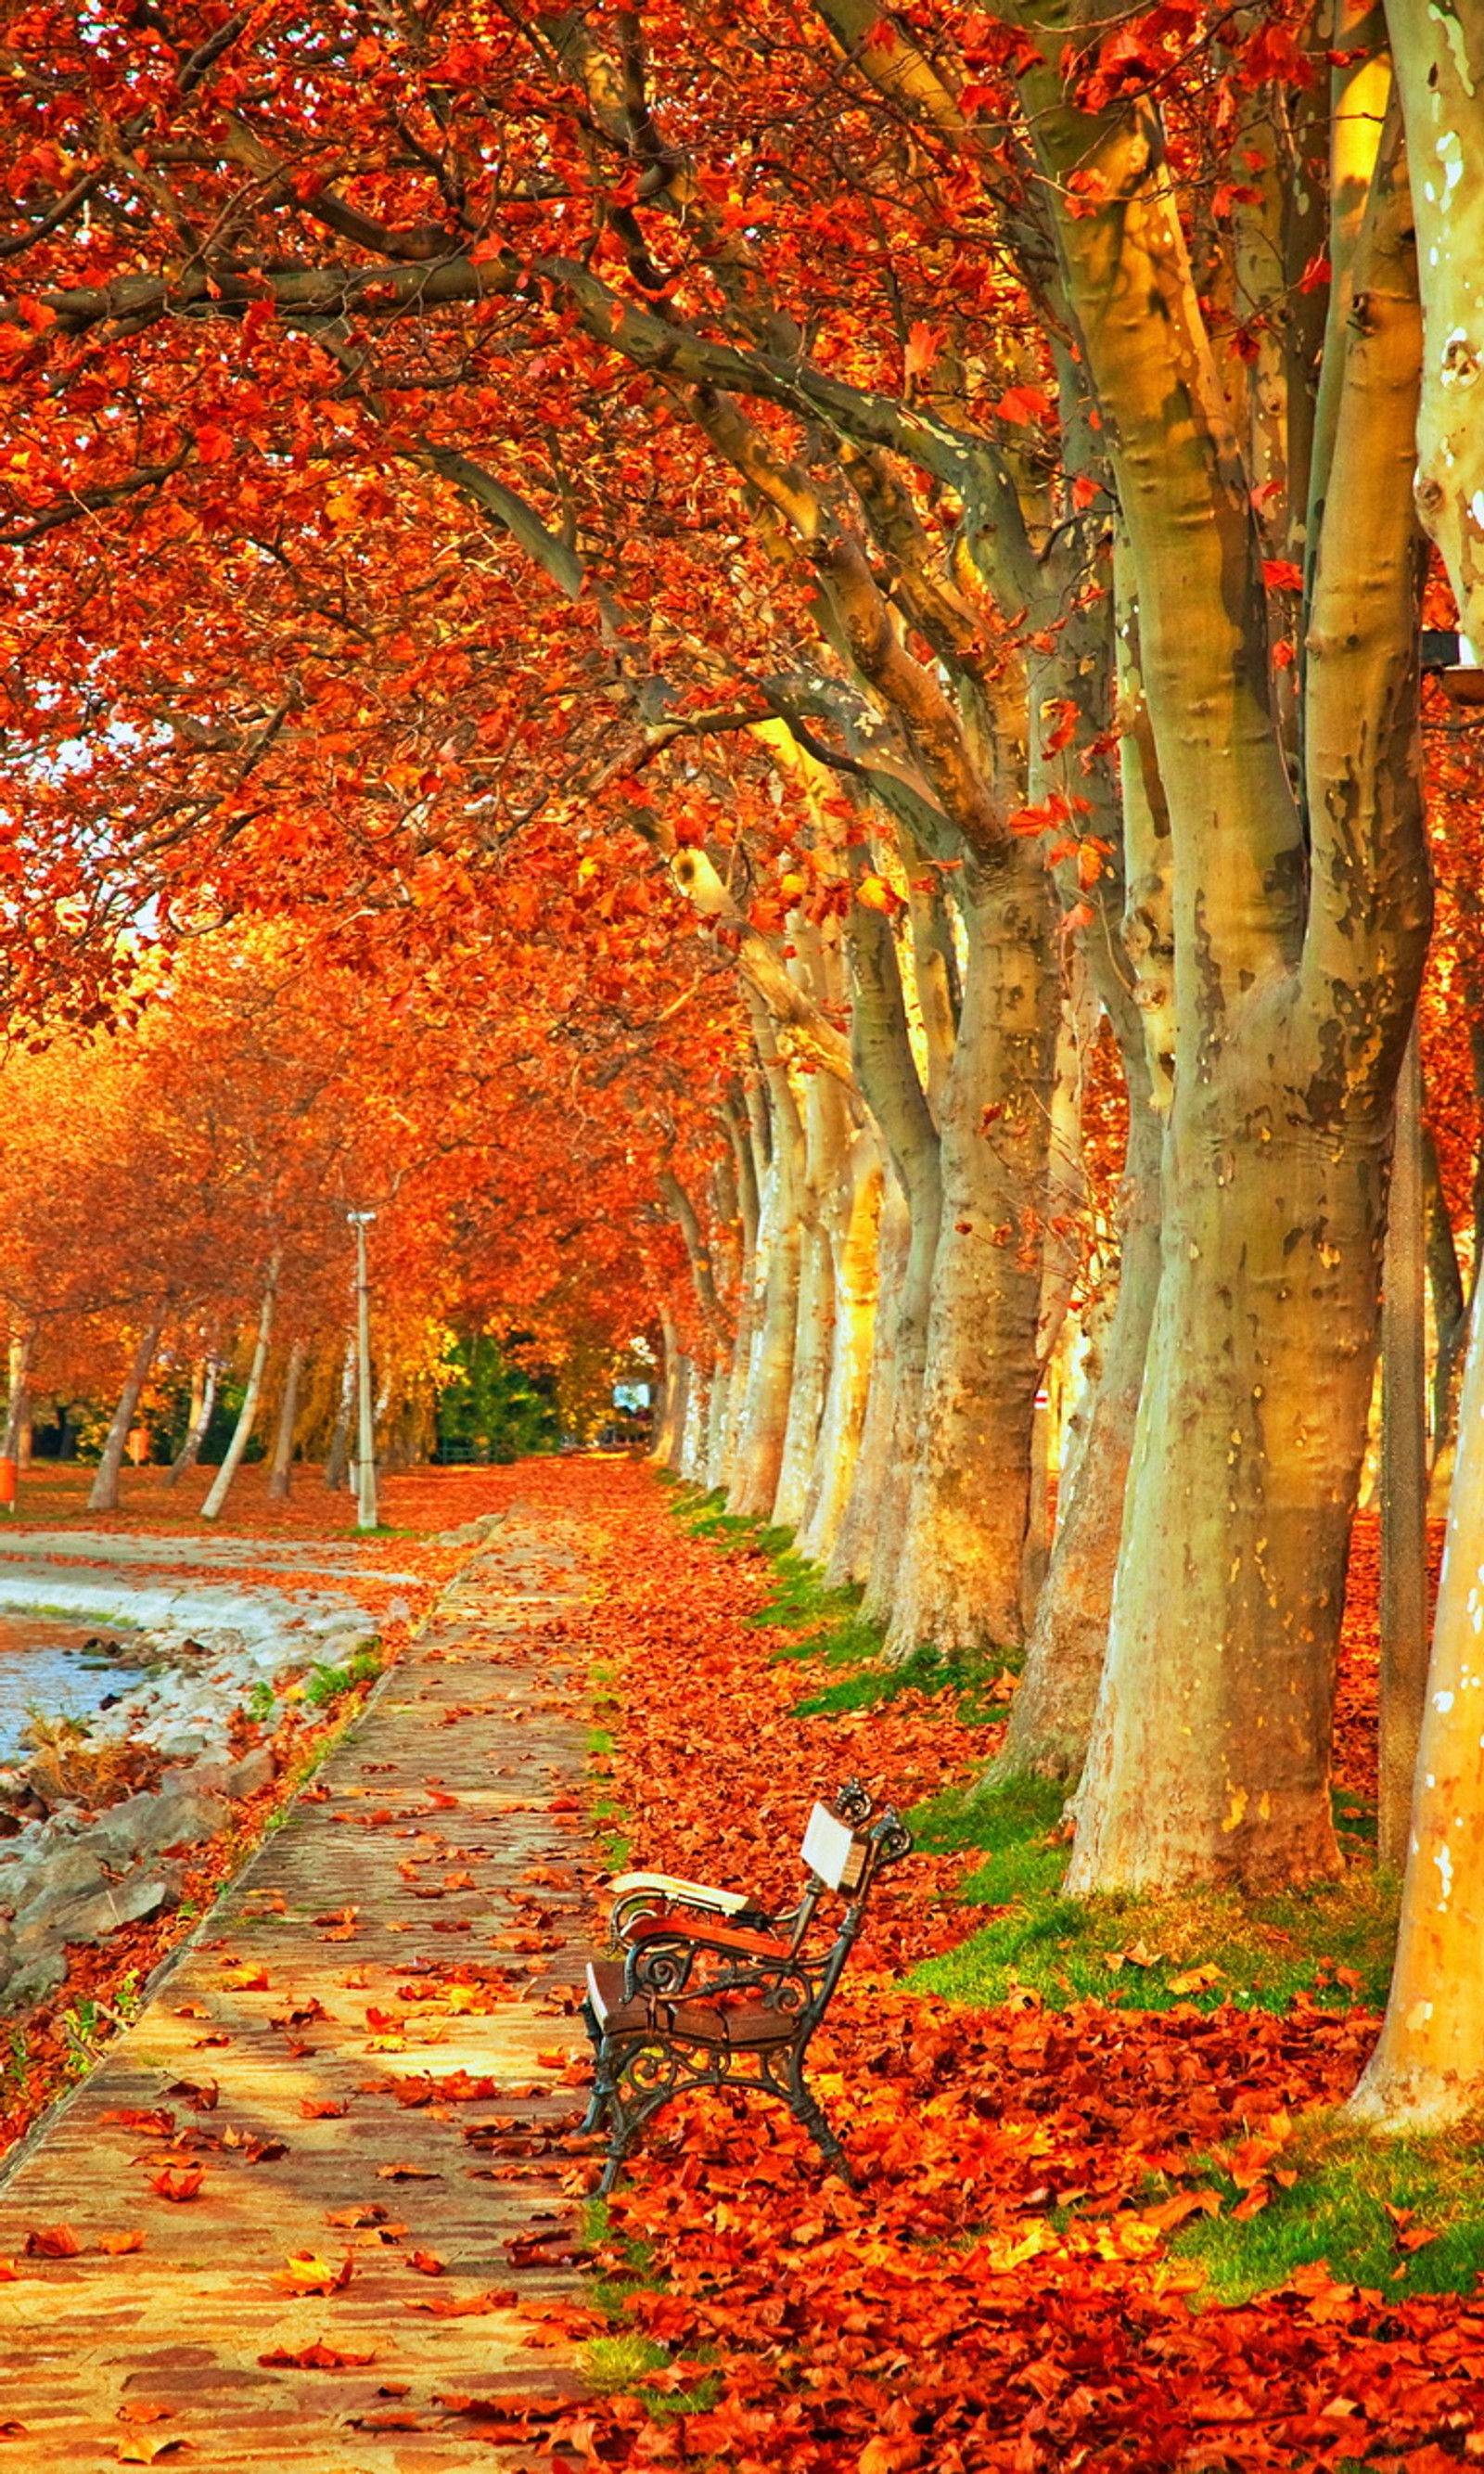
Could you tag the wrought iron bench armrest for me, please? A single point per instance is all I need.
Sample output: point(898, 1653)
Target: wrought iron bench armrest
point(638, 1897)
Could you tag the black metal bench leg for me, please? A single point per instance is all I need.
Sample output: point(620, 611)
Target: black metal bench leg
point(625, 2120)
point(597, 2106)
point(808, 2111)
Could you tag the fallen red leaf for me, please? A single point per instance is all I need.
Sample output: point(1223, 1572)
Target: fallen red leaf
point(180, 2187)
point(52, 2241)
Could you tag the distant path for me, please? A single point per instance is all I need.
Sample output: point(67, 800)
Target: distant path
point(448, 1842)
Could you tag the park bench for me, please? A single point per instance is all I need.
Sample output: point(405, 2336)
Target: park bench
point(703, 1988)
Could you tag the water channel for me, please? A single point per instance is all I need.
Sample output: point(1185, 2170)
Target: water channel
point(45, 1668)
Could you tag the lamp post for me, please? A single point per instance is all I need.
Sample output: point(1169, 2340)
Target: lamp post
point(365, 1441)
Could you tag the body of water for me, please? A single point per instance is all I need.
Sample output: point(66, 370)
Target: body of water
point(44, 1667)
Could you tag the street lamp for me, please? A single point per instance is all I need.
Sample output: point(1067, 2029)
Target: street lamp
point(365, 1444)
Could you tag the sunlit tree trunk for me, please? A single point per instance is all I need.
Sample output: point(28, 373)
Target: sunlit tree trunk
point(203, 1400)
point(103, 1495)
point(667, 1422)
point(681, 1414)
point(282, 1469)
point(850, 1556)
point(1051, 1717)
point(958, 1582)
point(1427, 2070)
point(220, 1485)
point(854, 1259)
point(19, 1407)
point(696, 1431)
point(770, 1374)
point(822, 1203)
point(1403, 1476)
point(1210, 1752)
point(738, 1132)
point(718, 1401)
point(870, 1545)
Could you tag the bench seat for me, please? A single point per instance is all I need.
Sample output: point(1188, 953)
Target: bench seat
point(737, 2022)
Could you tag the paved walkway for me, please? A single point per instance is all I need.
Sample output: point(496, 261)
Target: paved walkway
point(364, 2062)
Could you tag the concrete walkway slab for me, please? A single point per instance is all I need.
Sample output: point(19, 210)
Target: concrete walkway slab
point(367, 2059)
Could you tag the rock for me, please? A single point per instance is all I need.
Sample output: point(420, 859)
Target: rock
point(182, 1743)
point(93, 1918)
point(249, 1775)
point(56, 1877)
point(179, 1817)
point(37, 1976)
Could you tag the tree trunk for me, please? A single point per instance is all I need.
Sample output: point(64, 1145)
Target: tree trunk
point(853, 1256)
point(740, 1136)
point(337, 1460)
point(871, 1536)
point(681, 1414)
point(1403, 1489)
point(281, 1473)
point(770, 1375)
point(203, 1400)
point(18, 1410)
point(694, 1438)
point(103, 1495)
point(222, 1484)
point(1450, 1323)
point(666, 1423)
point(1294, 984)
point(1427, 2070)
point(958, 1584)
point(909, 1360)
point(717, 1407)
point(1050, 1716)
point(813, 1346)
point(850, 1557)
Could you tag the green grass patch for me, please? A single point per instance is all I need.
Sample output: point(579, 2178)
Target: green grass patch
point(706, 1516)
point(834, 1633)
point(802, 1596)
point(325, 1684)
point(1338, 2210)
point(627, 2358)
point(978, 1682)
point(1331, 1945)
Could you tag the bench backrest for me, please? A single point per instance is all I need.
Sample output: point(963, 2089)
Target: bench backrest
point(833, 1850)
